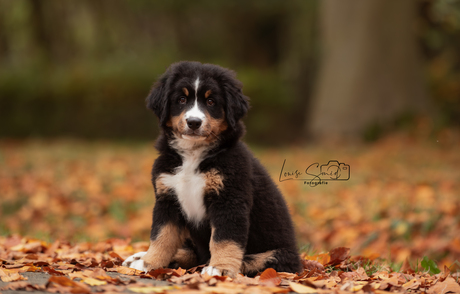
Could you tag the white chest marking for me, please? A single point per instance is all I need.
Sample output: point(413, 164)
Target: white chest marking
point(189, 184)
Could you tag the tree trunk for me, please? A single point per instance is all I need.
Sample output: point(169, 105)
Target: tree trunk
point(370, 71)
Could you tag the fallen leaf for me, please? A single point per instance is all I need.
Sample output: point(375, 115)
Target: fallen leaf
point(288, 276)
point(299, 288)
point(323, 258)
point(160, 289)
point(412, 284)
point(93, 282)
point(188, 278)
point(31, 268)
point(99, 274)
point(356, 288)
point(161, 273)
point(65, 285)
point(338, 255)
point(224, 287)
point(77, 275)
point(449, 285)
point(15, 286)
point(128, 271)
point(312, 265)
point(269, 277)
point(12, 277)
point(118, 259)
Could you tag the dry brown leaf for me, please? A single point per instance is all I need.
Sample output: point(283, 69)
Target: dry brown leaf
point(152, 289)
point(77, 275)
point(392, 280)
point(412, 284)
point(188, 278)
point(128, 271)
point(299, 288)
point(93, 282)
point(338, 255)
point(99, 274)
point(269, 277)
point(161, 273)
point(323, 258)
point(65, 285)
point(312, 265)
point(224, 287)
point(52, 271)
point(16, 286)
point(449, 285)
point(12, 277)
point(240, 279)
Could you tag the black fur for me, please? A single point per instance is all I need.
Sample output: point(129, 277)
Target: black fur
point(249, 210)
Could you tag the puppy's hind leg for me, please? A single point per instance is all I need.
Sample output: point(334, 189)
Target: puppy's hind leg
point(185, 257)
point(282, 260)
point(255, 263)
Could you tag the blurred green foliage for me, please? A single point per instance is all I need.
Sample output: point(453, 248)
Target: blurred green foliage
point(83, 68)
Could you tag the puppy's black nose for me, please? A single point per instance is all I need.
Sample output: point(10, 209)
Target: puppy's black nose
point(194, 123)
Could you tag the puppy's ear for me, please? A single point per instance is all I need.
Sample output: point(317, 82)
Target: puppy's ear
point(158, 101)
point(237, 104)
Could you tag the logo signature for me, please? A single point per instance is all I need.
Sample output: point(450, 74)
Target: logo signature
point(316, 174)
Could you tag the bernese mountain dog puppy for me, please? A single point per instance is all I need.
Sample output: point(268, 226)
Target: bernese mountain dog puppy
point(215, 203)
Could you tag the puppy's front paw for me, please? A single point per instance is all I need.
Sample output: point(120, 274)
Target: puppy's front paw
point(135, 262)
point(212, 271)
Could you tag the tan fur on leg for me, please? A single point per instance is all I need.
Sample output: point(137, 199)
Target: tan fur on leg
point(163, 248)
point(257, 262)
point(185, 258)
point(226, 256)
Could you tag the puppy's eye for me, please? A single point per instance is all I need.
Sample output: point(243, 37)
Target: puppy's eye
point(210, 102)
point(182, 100)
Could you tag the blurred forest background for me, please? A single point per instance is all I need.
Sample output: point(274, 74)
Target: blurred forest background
point(355, 69)
point(76, 139)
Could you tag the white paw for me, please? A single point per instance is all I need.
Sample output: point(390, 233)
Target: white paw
point(212, 271)
point(135, 262)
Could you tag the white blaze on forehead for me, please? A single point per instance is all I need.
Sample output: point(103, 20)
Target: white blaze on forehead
point(195, 111)
point(197, 83)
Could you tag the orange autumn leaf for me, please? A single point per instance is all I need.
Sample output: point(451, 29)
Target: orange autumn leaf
point(128, 271)
point(269, 277)
point(338, 255)
point(93, 282)
point(448, 285)
point(322, 258)
point(66, 285)
point(11, 277)
point(299, 288)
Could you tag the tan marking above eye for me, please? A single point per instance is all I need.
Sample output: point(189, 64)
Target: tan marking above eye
point(185, 91)
point(208, 92)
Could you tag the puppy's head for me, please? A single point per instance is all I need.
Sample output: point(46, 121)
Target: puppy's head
point(197, 102)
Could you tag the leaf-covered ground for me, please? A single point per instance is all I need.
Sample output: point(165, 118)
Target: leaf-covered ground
point(86, 268)
point(402, 202)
